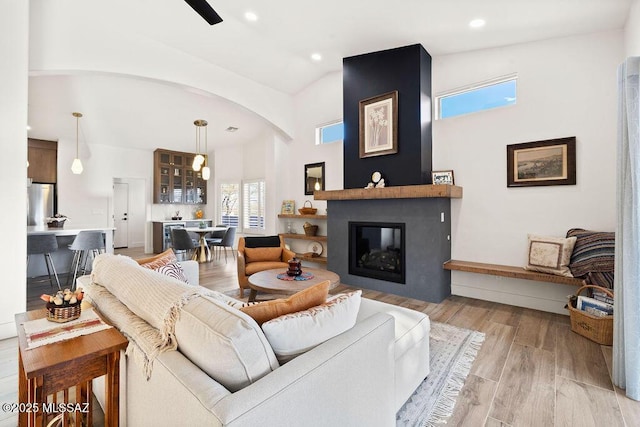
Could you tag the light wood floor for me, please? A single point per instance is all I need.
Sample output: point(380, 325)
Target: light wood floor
point(531, 370)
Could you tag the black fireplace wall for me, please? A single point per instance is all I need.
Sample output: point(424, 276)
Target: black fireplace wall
point(407, 70)
point(427, 244)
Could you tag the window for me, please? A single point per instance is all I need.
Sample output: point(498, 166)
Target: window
point(229, 204)
point(330, 132)
point(253, 206)
point(477, 97)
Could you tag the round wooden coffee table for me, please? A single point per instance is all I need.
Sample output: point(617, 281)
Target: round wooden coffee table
point(268, 282)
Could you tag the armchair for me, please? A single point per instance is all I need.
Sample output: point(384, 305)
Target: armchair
point(258, 254)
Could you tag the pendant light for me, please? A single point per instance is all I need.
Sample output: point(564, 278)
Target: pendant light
point(76, 166)
point(199, 158)
point(206, 172)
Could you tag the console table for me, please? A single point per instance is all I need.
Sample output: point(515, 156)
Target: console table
point(56, 367)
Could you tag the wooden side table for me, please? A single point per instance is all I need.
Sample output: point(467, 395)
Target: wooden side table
point(56, 367)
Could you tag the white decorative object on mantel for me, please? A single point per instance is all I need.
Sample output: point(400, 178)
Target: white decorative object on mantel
point(380, 183)
point(369, 186)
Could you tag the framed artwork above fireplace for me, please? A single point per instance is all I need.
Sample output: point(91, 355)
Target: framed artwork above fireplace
point(379, 125)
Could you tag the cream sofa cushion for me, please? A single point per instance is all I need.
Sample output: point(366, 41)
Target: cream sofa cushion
point(224, 342)
point(293, 334)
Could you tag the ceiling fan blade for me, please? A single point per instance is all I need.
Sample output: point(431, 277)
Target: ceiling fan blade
point(205, 10)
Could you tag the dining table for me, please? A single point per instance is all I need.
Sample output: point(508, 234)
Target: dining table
point(202, 253)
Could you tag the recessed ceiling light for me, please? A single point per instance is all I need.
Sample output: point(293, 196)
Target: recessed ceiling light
point(316, 57)
point(477, 23)
point(250, 16)
point(231, 129)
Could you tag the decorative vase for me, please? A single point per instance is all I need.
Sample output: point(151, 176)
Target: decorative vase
point(295, 267)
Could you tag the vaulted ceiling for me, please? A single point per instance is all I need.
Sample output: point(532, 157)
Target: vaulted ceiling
point(275, 49)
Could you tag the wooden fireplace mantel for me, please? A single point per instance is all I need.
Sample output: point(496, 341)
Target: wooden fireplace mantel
point(400, 192)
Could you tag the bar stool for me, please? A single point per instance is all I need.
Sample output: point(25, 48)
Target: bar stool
point(85, 244)
point(44, 244)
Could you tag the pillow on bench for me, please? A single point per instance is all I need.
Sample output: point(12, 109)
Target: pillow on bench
point(550, 254)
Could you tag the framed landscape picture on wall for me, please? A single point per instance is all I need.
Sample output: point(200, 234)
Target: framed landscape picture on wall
point(549, 162)
point(379, 125)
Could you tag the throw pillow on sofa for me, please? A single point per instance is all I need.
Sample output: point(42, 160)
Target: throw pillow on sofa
point(165, 263)
point(224, 342)
point(157, 261)
point(305, 299)
point(293, 334)
point(173, 269)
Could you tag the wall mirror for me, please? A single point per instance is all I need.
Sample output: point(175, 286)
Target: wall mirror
point(313, 178)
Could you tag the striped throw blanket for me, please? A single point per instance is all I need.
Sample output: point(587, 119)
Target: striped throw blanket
point(593, 256)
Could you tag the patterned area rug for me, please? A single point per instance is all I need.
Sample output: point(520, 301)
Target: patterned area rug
point(452, 352)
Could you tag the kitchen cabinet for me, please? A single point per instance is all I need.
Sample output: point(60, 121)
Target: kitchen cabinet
point(175, 181)
point(162, 231)
point(43, 160)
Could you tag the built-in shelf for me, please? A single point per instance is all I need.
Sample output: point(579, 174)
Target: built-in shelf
point(302, 216)
point(304, 237)
point(318, 259)
point(510, 271)
point(400, 192)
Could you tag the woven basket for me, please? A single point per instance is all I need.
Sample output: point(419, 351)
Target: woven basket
point(597, 329)
point(310, 230)
point(61, 314)
point(308, 210)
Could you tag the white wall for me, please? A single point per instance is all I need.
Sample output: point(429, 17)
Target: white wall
point(261, 158)
point(632, 31)
point(566, 87)
point(318, 104)
point(14, 18)
point(556, 97)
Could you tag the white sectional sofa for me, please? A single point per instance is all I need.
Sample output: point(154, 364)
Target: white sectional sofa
point(358, 378)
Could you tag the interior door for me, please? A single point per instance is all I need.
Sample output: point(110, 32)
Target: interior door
point(120, 214)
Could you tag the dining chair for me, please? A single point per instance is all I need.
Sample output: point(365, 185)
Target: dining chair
point(226, 242)
point(181, 242)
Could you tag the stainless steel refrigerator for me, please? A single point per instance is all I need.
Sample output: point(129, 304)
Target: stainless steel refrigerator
point(40, 203)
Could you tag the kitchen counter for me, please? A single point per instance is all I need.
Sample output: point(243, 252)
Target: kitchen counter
point(63, 256)
point(162, 234)
point(65, 231)
point(170, 221)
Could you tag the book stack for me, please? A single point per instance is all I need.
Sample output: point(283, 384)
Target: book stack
point(594, 306)
point(601, 296)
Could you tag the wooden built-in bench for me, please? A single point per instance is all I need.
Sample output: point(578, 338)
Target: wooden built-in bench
point(510, 271)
